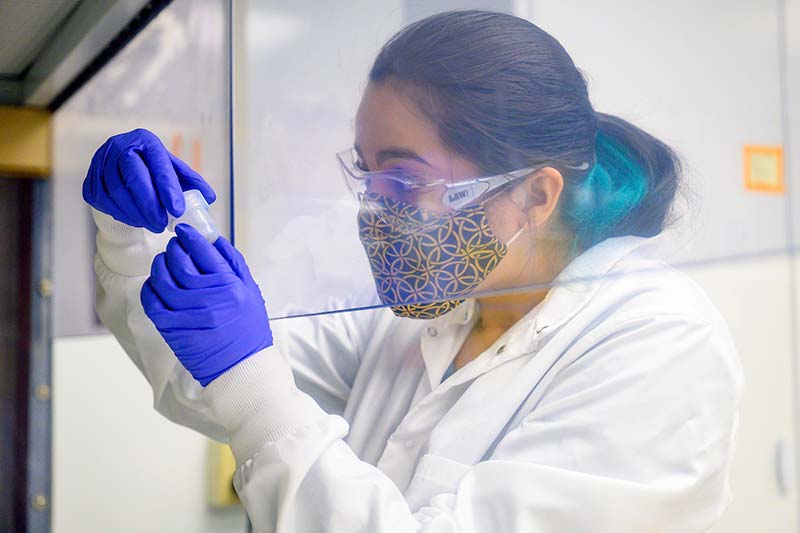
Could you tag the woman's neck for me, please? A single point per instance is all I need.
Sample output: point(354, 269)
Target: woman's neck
point(499, 313)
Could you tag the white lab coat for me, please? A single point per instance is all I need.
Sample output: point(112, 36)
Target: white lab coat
point(611, 407)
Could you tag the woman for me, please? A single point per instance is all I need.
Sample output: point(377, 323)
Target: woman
point(607, 402)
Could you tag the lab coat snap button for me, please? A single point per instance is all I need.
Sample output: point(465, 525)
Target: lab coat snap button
point(409, 444)
point(432, 332)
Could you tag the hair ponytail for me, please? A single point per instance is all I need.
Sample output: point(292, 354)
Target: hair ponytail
point(506, 95)
point(628, 191)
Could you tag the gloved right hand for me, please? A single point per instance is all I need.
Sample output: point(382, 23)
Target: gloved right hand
point(135, 179)
point(204, 302)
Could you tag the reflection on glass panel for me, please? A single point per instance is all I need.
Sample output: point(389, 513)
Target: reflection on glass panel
point(119, 465)
point(472, 156)
point(305, 68)
point(154, 84)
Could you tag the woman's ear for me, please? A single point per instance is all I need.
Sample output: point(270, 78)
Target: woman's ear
point(538, 194)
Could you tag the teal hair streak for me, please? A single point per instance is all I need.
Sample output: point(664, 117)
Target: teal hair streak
point(609, 192)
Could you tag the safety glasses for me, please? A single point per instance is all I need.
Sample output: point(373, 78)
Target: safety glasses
point(412, 189)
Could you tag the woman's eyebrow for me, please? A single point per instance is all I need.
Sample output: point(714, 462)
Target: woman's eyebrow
point(394, 152)
point(399, 153)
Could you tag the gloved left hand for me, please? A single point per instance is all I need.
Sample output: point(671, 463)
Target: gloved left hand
point(205, 304)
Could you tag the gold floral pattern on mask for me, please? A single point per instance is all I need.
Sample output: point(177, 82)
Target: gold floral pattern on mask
point(424, 263)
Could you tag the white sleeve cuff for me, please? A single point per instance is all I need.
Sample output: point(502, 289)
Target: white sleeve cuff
point(258, 403)
point(126, 250)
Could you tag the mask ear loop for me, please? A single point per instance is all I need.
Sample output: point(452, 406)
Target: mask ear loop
point(519, 202)
point(517, 234)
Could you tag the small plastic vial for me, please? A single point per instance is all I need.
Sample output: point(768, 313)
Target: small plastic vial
point(196, 215)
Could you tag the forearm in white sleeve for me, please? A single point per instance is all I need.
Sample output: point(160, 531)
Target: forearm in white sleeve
point(122, 264)
point(323, 351)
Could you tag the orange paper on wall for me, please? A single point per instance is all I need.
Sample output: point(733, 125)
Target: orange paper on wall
point(763, 168)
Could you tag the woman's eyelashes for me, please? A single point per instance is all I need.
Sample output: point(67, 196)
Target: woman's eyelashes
point(403, 173)
point(389, 185)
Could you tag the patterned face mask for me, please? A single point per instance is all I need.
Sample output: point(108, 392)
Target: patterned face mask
point(424, 263)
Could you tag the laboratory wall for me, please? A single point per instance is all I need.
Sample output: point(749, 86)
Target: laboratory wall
point(790, 95)
point(117, 464)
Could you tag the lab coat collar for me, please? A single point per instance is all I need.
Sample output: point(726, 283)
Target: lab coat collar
point(442, 334)
point(579, 281)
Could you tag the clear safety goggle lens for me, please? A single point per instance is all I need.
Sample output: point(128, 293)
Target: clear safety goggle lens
point(396, 184)
point(440, 194)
